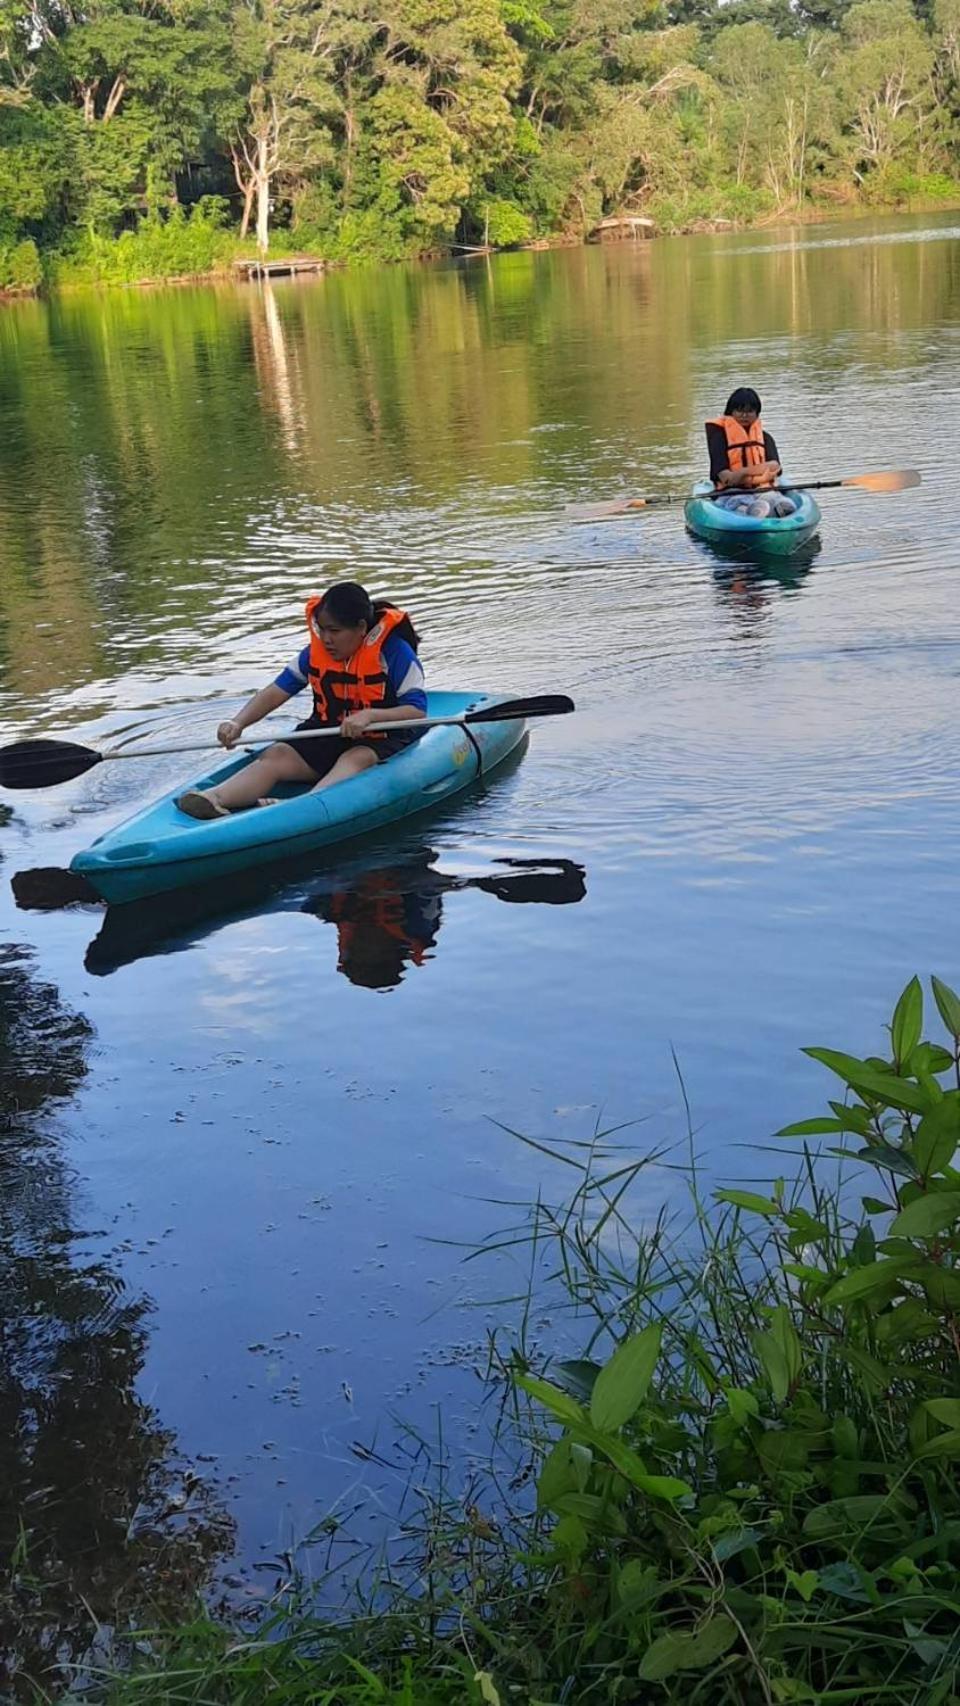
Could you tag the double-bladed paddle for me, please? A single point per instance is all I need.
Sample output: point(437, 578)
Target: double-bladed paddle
point(45, 763)
point(897, 480)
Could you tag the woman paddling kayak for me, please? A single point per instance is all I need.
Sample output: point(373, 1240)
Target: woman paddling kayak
point(744, 459)
point(362, 666)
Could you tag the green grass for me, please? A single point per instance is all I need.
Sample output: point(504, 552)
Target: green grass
point(742, 1492)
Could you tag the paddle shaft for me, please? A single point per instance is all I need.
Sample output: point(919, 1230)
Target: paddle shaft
point(409, 723)
point(901, 480)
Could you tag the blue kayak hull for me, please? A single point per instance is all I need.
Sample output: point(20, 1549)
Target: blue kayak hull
point(160, 848)
point(777, 535)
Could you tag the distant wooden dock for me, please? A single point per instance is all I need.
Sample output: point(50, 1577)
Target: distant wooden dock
point(280, 266)
point(622, 225)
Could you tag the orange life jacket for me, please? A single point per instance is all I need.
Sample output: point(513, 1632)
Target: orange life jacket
point(361, 682)
point(380, 912)
point(745, 449)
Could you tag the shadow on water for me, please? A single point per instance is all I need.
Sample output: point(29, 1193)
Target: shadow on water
point(101, 1519)
point(385, 904)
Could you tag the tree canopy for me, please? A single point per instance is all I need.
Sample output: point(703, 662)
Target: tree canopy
point(385, 128)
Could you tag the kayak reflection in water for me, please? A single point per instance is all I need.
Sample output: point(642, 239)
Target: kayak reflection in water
point(389, 918)
point(361, 664)
point(744, 459)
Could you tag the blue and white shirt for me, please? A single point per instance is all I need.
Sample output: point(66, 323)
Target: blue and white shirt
point(405, 679)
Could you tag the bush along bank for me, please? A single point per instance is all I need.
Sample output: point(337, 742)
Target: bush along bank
point(746, 1487)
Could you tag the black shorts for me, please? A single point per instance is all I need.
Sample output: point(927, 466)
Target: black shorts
point(322, 754)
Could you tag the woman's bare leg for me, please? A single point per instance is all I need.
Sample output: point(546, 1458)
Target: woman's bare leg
point(278, 764)
point(349, 764)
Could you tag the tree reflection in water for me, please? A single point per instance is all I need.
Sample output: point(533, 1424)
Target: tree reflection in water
point(101, 1521)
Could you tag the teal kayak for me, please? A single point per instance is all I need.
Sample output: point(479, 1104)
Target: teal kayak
point(777, 535)
point(160, 848)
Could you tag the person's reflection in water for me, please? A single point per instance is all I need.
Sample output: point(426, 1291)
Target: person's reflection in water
point(748, 588)
point(388, 919)
point(382, 927)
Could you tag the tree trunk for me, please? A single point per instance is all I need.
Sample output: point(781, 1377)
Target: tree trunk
point(248, 189)
point(263, 197)
point(114, 98)
point(350, 134)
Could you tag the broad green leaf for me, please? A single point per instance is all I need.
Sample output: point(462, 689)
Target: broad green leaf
point(632, 1467)
point(845, 1438)
point(774, 1364)
point(735, 1541)
point(742, 1405)
point(907, 1021)
point(670, 1654)
point(748, 1200)
point(949, 1005)
point(885, 1087)
point(803, 1224)
point(812, 1128)
point(578, 1377)
point(928, 1059)
point(788, 1691)
point(927, 1215)
point(863, 1282)
point(945, 1410)
point(597, 1513)
point(784, 1449)
point(875, 1205)
point(853, 1117)
point(559, 1404)
point(622, 1385)
point(943, 1445)
point(805, 1585)
point(859, 1512)
point(846, 1581)
point(561, 1473)
point(942, 1285)
point(888, 1160)
point(935, 1142)
point(864, 1246)
point(637, 1584)
point(488, 1692)
point(570, 1537)
point(783, 1330)
point(582, 1459)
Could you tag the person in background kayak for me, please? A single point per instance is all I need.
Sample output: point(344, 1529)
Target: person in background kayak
point(362, 666)
point(744, 459)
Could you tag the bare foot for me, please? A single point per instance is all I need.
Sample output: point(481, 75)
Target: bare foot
point(196, 804)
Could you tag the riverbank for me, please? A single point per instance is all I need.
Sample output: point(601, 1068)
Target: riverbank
point(194, 248)
point(741, 1491)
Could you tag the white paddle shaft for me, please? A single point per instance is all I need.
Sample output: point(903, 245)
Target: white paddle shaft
point(300, 734)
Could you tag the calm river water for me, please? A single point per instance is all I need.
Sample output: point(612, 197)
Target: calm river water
point(234, 1151)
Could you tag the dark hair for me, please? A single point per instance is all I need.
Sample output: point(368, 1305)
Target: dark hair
point(743, 398)
point(350, 603)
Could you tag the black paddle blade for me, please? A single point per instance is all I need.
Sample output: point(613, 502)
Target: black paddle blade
point(545, 882)
point(44, 763)
point(48, 888)
point(513, 710)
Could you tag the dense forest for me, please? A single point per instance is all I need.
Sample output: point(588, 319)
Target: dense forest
point(146, 137)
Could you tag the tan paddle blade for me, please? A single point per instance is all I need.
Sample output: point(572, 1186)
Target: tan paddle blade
point(601, 512)
point(899, 480)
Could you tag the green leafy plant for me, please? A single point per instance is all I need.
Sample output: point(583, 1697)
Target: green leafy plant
point(755, 1496)
point(745, 1487)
